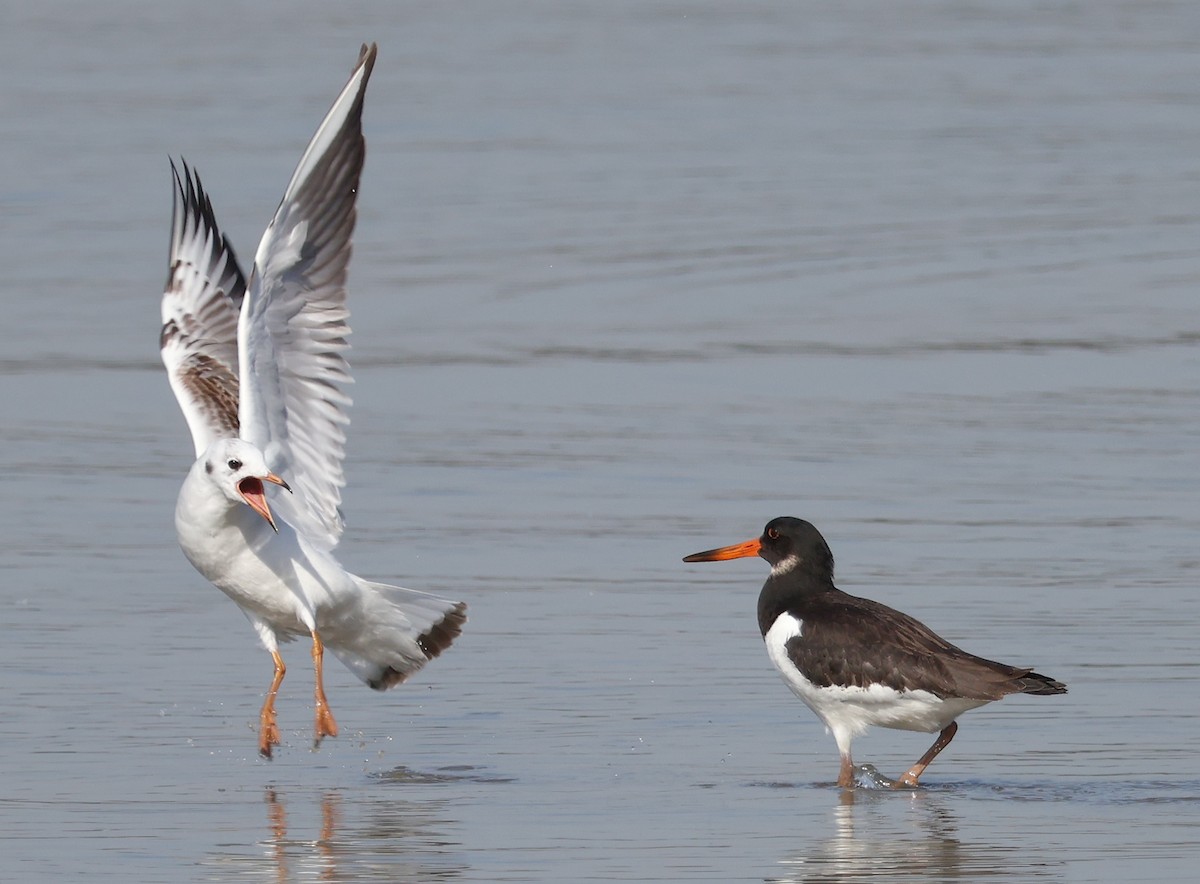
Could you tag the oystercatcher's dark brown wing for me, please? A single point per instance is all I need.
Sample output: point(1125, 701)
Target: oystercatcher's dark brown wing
point(850, 641)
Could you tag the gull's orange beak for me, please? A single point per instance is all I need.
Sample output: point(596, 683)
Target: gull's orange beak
point(737, 551)
point(252, 492)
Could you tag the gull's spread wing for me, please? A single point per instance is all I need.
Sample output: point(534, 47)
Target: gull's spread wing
point(294, 322)
point(200, 306)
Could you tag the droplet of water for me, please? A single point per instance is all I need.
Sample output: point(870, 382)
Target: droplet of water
point(868, 777)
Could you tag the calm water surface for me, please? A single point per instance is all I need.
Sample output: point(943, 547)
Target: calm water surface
point(630, 279)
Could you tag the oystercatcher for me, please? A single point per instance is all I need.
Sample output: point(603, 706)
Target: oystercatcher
point(857, 663)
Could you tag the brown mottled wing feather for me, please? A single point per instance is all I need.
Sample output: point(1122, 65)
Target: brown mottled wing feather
point(853, 641)
point(200, 305)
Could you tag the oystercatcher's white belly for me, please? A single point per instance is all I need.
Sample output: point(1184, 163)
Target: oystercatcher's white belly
point(847, 710)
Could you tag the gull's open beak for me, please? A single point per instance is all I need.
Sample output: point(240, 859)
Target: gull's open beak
point(737, 551)
point(252, 492)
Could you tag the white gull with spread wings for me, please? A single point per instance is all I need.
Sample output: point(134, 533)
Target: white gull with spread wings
point(257, 368)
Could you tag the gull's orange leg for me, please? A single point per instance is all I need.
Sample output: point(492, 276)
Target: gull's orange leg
point(943, 740)
point(325, 726)
point(268, 732)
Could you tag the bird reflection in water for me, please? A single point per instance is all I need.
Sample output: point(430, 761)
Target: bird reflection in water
point(912, 835)
point(396, 840)
point(323, 846)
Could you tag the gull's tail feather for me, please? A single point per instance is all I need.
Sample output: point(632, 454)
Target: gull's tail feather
point(396, 631)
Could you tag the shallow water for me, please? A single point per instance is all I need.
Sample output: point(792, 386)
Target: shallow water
point(629, 280)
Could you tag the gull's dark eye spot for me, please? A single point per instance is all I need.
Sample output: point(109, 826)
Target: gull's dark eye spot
point(234, 464)
point(208, 466)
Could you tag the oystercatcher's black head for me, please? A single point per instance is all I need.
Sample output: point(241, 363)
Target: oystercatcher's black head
point(801, 565)
point(786, 543)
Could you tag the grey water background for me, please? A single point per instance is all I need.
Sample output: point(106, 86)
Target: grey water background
point(630, 279)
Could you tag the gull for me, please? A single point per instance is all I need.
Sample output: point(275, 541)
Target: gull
point(258, 368)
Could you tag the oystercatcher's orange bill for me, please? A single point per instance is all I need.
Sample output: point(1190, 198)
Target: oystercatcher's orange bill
point(737, 551)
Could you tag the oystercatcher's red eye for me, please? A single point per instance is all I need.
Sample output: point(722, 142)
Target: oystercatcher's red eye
point(772, 534)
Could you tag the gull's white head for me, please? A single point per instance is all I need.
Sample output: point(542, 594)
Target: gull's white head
point(239, 469)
